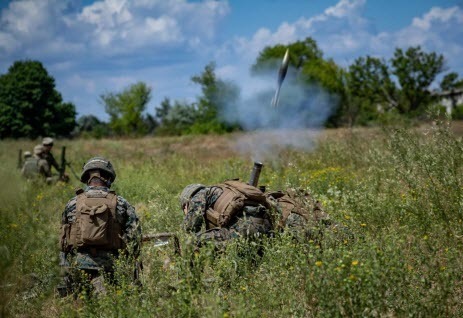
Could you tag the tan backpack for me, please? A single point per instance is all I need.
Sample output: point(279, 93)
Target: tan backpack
point(236, 195)
point(96, 225)
point(296, 201)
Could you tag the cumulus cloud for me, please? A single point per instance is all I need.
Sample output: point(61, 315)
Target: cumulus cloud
point(112, 27)
point(339, 31)
point(343, 33)
point(439, 30)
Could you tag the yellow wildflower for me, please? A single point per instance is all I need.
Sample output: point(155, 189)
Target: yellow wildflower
point(318, 263)
point(355, 263)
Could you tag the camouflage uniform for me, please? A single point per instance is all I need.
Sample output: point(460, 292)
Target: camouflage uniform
point(251, 222)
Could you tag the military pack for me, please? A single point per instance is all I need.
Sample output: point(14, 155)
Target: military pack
point(297, 201)
point(96, 224)
point(235, 197)
point(30, 168)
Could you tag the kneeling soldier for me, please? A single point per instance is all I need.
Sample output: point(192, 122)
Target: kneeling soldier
point(96, 226)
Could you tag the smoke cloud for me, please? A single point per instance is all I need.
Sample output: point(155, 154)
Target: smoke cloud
point(294, 123)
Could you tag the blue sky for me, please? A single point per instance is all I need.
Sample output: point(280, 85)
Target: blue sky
point(93, 47)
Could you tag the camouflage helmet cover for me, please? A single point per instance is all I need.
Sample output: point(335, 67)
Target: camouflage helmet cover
point(99, 163)
point(189, 191)
point(47, 141)
point(27, 154)
point(38, 150)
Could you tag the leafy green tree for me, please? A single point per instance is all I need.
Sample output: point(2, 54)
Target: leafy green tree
point(370, 89)
point(211, 106)
point(30, 106)
point(163, 110)
point(415, 71)
point(126, 109)
point(450, 81)
point(91, 126)
point(179, 118)
point(300, 52)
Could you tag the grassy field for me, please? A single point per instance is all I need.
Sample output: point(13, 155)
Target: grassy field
point(399, 192)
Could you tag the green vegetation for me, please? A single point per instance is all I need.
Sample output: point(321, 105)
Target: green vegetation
point(369, 92)
point(398, 190)
point(30, 106)
point(126, 108)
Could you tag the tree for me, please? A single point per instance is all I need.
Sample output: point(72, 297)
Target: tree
point(211, 106)
point(300, 52)
point(370, 88)
point(450, 81)
point(30, 106)
point(163, 110)
point(126, 109)
point(91, 126)
point(178, 119)
point(415, 71)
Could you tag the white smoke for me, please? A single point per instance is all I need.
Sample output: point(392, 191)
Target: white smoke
point(294, 123)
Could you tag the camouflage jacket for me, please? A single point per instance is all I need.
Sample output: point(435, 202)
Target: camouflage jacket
point(243, 225)
point(125, 215)
point(48, 156)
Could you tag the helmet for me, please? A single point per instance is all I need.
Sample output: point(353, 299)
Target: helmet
point(189, 191)
point(47, 141)
point(101, 164)
point(27, 154)
point(38, 150)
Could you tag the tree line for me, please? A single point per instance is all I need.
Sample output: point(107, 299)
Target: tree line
point(370, 91)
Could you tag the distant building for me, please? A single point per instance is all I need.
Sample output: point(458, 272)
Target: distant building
point(449, 99)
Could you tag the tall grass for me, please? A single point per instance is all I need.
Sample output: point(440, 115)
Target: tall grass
point(398, 191)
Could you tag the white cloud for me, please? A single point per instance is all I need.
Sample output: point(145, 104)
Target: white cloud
point(439, 30)
point(339, 31)
point(343, 33)
point(345, 8)
point(110, 27)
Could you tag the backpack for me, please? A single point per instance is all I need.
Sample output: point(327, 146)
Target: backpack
point(297, 201)
point(30, 168)
point(96, 225)
point(235, 197)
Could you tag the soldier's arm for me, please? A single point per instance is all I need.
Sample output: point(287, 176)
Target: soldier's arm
point(194, 218)
point(199, 203)
point(67, 217)
point(131, 224)
point(53, 162)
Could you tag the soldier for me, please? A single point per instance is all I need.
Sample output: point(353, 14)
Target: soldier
point(36, 166)
point(47, 144)
point(225, 211)
point(27, 154)
point(96, 227)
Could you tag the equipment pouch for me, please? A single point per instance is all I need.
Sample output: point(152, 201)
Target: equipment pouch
point(213, 217)
point(94, 224)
